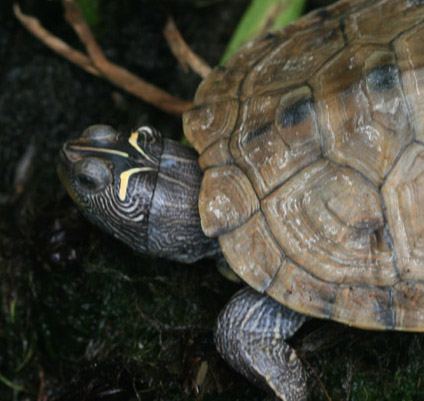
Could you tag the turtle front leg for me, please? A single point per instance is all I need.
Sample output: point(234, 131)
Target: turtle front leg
point(250, 334)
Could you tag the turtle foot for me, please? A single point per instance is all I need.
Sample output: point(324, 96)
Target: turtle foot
point(250, 334)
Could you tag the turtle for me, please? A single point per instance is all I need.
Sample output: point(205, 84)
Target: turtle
point(306, 178)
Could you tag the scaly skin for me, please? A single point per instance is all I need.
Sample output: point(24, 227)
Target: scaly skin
point(144, 191)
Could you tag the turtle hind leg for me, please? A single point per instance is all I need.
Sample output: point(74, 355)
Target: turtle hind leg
point(250, 334)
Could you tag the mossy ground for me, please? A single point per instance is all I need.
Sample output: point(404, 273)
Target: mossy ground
point(84, 318)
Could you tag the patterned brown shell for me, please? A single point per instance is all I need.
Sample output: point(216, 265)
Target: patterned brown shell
point(312, 143)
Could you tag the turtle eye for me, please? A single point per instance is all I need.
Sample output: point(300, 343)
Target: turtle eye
point(86, 182)
point(91, 175)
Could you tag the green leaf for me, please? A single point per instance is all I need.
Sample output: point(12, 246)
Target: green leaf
point(91, 11)
point(10, 384)
point(263, 16)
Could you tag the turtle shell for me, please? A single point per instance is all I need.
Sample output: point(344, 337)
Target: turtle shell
point(312, 144)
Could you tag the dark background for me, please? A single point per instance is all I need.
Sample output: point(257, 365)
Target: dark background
point(83, 317)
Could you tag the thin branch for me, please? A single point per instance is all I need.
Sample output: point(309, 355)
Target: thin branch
point(75, 18)
point(96, 63)
point(182, 52)
point(118, 75)
point(59, 46)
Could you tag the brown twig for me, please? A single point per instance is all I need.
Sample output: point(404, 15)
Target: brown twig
point(96, 63)
point(182, 52)
point(59, 46)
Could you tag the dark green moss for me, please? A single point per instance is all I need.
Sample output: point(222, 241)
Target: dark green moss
point(84, 318)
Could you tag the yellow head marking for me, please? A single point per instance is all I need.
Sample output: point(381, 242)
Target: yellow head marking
point(99, 150)
point(125, 177)
point(133, 142)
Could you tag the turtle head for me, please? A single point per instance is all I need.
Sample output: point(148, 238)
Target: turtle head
point(112, 177)
point(140, 188)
